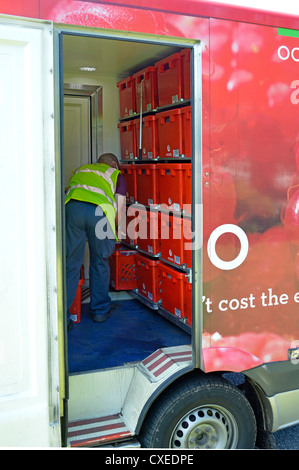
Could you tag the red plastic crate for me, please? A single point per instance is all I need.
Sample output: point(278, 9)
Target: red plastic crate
point(170, 79)
point(148, 278)
point(147, 184)
point(123, 269)
point(128, 144)
point(150, 137)
point(186, 57)
point(131, 225)
point(174, 131)
point(174, 182)
point(170, 129)
point(127, 97)
point(187, 188)
point(147, 78)
point(149, 232)
point(186, 111)
point(173, 291)
point(75, 309)
point(129, 173)
point(176, 240)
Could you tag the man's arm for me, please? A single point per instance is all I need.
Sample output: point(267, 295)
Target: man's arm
point(120, 221)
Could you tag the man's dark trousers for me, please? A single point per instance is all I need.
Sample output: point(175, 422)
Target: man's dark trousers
point(85, 221)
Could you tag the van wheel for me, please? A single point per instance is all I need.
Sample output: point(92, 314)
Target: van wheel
point(200, 413)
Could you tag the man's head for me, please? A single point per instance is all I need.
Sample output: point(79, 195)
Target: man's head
point(109, 159)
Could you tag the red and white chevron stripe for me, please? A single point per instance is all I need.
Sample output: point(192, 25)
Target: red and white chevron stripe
point(96, 431)
point(163, 362)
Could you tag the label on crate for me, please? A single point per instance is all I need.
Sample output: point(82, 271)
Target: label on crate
point(176, 206)
point(150, 201)
point(168, 154)
point(176, 152)
point(150, 249)
point(177, 259)
point(150, 295)
point(177, 312)
point(150, 155)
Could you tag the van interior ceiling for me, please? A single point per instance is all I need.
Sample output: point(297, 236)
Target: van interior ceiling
point(137, 327)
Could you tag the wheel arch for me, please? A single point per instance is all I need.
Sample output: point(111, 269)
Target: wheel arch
point(158, 393)
point(173, 386)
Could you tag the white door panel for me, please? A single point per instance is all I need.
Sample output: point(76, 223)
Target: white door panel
point(28, 251)
point(76, 134)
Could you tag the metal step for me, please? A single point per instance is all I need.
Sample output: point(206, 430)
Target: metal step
point(97, 431)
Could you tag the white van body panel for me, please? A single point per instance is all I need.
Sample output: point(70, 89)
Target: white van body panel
point(29, 375)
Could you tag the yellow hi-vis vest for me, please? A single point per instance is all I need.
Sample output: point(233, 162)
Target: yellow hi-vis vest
point(95, 183)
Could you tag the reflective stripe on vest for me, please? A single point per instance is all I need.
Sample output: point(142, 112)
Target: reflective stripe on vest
point(95, 183)
point(107, 175)
point(93, 190)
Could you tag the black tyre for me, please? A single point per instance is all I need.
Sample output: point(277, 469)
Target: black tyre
point(200, 413)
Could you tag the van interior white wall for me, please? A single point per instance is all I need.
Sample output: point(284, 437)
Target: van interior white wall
point(111, 140)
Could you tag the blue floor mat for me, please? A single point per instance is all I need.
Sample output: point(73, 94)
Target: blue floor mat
point(132, 332)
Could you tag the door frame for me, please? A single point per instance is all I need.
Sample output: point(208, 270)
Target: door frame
point(95, 95)
point(196, 160)
point(30, 405)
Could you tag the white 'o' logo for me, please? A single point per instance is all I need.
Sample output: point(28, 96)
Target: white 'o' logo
point(284, 53)
point(227, 228)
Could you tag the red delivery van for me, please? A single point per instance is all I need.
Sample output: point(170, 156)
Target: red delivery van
point(201, 349)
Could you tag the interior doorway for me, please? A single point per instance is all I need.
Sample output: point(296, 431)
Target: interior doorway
point(113, 60)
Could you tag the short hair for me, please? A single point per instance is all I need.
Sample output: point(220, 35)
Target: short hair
point(109, 159)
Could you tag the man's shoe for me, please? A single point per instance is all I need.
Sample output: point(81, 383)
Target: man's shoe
point(101, 318)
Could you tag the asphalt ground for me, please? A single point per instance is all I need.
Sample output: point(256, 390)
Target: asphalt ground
point(287, 439)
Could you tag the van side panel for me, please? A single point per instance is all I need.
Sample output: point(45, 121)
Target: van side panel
point(29, 398)
point(250, 195)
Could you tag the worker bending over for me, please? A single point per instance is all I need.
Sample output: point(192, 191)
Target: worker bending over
point(94, 201)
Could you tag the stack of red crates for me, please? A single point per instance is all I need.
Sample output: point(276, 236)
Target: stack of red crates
point(165, 83)
point(160, 191)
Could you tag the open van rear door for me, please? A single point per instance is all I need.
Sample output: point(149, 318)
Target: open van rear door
point(29, 375)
